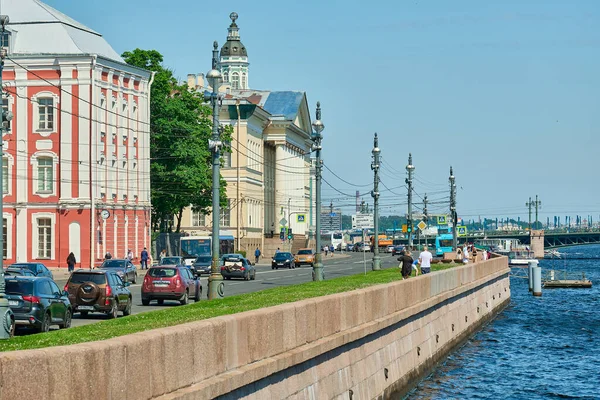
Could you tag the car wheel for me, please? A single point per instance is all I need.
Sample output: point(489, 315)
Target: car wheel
point(135, 278)
point(146, 302)
point(127, 310)
point(272, 267)
point(247, 276)
point(45, 326)
point(160, 302)
point(83, 313)
point(184, 299)
point(253, 276)
point(290, 267)
point(198, 294)
point(114, 311)
point(67, 321)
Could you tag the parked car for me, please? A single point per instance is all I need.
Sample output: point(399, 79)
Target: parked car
point(236, 266)
point(18, 272)
point(99, 290)
point(178, 260)
point(124, 268)
point(202, 265)
point(305, 256)
point(283, 260)
point(389, 249)
point(350, 247)
point(38, 269)
point(170, 282)
point(38, 302)
point(397, 249)
point(363, 247)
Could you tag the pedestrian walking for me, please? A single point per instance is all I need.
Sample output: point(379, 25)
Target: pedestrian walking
point(129, 255)
point(415, 267)
point(425, 260)
point(162, 255)
point(71, 261)
point(107, 256)
point(257, 254)
point(405, 264)
point(326, 250)
point(144, 259)
point(331, 248)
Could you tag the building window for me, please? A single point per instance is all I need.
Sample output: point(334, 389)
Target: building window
point(4, 175)
point(198, 219)
point(235, 80)
point(5, 238)
point(5, 108)
point(45, 172)
point(244, 85)
point(5, 41)
point(46, 113)
point(226, 77)
point(226, 214)
point(44, 238)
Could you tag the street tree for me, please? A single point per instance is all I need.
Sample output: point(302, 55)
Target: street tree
point(180, 160)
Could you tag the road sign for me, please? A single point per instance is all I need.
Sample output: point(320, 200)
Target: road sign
point(422, 225)
point(442, 220)
point(404, 228)
point(362, 221)
point(283, 221)
point(461, 231)
point(301, 218)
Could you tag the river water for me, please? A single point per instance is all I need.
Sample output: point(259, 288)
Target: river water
point(538, 348)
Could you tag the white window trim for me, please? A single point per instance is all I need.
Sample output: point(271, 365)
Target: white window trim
point(35, 234)
point(36, 113)
point(11, 104)
point(11, 163)
point(9, 223)
point(35, 180)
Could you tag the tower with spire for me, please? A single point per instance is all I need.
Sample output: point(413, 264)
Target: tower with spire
point(234, 58)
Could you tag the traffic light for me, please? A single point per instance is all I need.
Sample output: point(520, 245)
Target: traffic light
point(409, 226)
point(282, 234)
point(289, 233)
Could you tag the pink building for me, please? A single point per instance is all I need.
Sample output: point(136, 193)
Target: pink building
point(76, 164)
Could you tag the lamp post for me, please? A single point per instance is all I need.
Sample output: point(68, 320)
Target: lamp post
point(216, 287)
point(318, 127)
point(6, 317)
point(375, 194)
point(409, 168)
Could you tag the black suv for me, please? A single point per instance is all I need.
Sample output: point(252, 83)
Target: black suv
point(38, 302)
point(99, 290)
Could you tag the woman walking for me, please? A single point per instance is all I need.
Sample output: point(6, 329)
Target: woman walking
point(71, 261)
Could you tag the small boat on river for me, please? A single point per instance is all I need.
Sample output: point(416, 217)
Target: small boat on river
point(520, 257)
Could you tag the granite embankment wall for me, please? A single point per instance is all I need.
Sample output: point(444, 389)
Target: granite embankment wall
point(369, 343)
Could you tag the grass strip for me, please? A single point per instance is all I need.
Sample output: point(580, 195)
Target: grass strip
point(202, 310)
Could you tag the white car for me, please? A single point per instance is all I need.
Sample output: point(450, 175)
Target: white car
point(364, 247)
point(389, 249)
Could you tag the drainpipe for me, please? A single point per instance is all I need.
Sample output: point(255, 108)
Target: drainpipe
point(239, 203)
point(91, 158)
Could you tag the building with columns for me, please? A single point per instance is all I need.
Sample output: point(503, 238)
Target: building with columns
point(76, 158)
point(268, 169)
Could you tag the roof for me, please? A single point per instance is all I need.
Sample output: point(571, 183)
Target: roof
point(283, 103)
point(38, 28)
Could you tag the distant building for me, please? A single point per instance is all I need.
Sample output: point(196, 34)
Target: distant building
point(76, 158)
point(270, 151)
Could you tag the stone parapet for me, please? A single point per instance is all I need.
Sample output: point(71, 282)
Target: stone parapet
point(315, 348)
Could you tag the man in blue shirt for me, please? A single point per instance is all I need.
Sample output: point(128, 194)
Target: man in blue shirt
point(144, 259)
point(257, 254)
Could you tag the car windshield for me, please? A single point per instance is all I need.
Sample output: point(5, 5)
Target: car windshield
point(304, 251)
point(31, 267)
point(204, 259)
point(81, 277)
point(113, 264)
point(283, 256)
point(162, 272)
point(19, 287)
point(170, 261)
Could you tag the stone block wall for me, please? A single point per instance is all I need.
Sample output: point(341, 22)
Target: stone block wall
point(375, 342)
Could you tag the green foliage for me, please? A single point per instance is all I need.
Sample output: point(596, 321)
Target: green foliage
point(242, 252)
point(204, 309)
point(180, 126)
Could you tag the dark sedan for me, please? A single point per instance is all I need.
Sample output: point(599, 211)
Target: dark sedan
point(236, 266)
point(283, 260)
point(38, 302)
point(18, 272)
point(124, 268)
point(38, 269)
point(202, 265)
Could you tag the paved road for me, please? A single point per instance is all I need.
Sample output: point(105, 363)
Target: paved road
point(266, 278)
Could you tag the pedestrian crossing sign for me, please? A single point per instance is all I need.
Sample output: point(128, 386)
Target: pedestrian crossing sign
point(442, 220)
point(461, 231)
point(301, 218)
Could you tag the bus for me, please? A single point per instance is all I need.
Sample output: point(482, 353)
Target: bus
point(195, 246)
point(443, 244)
point(337, 240)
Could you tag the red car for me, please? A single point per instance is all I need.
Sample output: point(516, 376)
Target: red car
point(170, 282)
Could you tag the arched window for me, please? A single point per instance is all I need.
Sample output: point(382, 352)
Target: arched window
point(244, 84)
point(225, 76)
point(235, 80)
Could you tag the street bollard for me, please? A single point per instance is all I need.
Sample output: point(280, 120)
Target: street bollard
point(530, 265)
point(537, 281)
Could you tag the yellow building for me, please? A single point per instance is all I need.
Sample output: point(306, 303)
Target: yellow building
point(268, 169)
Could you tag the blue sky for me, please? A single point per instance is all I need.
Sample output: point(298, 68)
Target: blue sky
point(505, 92)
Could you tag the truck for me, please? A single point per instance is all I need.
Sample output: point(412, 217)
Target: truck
point(384, 241)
